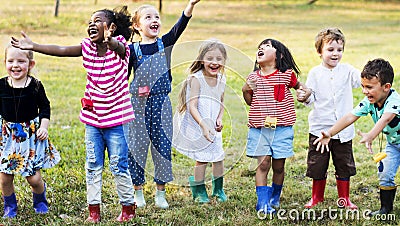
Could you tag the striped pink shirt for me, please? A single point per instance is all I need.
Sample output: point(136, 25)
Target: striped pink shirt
point(106, 86)
point(272, 98)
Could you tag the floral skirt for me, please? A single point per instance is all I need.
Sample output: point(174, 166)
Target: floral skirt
point(21, 152)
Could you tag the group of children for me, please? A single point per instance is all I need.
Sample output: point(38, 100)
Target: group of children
point(128, 119)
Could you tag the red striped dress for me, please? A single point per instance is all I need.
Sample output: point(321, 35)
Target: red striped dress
point(272, 98)
point(106, 86)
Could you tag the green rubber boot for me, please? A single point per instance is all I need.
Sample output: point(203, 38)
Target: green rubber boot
point(218, 189)
point(199, 191)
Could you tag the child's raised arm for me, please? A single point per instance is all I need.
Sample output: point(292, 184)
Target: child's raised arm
point(53, 50)
point(189, 8)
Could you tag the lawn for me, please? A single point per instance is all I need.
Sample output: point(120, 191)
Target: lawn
point(372, 29)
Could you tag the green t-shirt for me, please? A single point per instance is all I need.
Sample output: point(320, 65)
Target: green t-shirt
point(392, 105)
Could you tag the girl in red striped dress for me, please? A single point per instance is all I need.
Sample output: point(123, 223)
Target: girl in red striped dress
point(271, 117)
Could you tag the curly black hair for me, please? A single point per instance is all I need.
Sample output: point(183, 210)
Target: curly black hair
point(121, 17)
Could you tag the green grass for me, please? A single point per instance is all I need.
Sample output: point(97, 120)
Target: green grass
point(371, 29)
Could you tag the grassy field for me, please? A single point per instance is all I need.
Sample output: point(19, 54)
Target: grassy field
point(372, 29)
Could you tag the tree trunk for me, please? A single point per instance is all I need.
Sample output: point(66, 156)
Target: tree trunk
point(56, 9)
point(311, 2)
point(160, 6)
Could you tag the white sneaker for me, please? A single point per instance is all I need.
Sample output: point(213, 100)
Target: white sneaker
point(139, 198)
point(160, 200)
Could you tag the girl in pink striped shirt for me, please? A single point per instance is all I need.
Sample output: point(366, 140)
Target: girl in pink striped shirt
point(106, 106)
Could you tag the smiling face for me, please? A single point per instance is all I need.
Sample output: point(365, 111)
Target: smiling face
point(17, 63)
point(331, 53)
point(213, 62)
point(266, 55)
point(375, 91)
point(149, 24)
point(96, 27)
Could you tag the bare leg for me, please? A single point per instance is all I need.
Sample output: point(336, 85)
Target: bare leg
point(278, 169)
point(264, 164)
point(7, 184)
point(200, 171)
point(218, 169)
point(36, 183)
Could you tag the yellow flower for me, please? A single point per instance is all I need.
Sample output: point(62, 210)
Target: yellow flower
point(15, 162)
point(32, 126)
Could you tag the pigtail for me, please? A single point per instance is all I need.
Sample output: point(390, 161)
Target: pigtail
point(121, 17)
point(123, 22)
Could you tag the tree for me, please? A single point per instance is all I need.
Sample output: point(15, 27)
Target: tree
point(56, 9)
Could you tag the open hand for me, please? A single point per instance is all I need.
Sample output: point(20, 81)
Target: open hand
point(108, 35)
point(322, 142)
point(24, 43)
point(366, 139)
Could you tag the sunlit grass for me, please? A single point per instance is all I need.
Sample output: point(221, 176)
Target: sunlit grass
point(371, 29)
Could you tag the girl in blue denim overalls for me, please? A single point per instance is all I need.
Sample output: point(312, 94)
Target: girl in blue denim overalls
point(151, 59)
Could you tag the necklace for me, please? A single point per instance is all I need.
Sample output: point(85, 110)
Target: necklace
point(95, 81)
point(16, 106)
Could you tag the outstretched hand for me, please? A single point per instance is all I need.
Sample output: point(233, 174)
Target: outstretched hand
point(24, 43)
point(366, 139)
point(322, 142)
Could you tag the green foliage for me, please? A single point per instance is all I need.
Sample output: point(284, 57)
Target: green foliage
point(371, 29)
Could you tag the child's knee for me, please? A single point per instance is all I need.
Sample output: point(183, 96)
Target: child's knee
point(264, 165)
point(278, 170)
point(35, 180)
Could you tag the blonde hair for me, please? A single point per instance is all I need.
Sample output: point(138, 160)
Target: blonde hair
point(327, 35)
point(136, 17)
point(28, 53)
point(198, 65)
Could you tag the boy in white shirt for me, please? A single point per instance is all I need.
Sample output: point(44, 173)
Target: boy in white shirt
point(331, 83)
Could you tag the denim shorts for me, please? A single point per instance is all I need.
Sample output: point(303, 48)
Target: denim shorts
point(277, 143)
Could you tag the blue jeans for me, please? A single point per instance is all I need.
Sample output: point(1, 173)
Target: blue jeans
point(97, 140)
point(387, 168)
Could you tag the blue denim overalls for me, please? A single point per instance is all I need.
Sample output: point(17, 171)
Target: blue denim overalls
point(153, 111)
